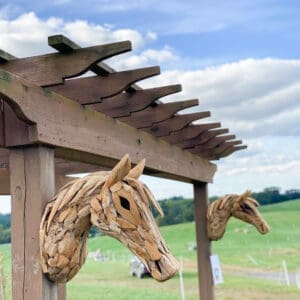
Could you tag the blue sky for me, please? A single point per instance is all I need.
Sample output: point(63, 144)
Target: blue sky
point(240, 58)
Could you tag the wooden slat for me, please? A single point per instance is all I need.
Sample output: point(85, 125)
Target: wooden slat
point(206, 289)
point(32, 185)
point(66, 124)
point(160, 112)
point(231, 150)
point(62, 44)
point(212, 143)
point(124, 104)
point(189, 132)
point(49, 69)
point(175, 123)
point(89, 90)
point(212, 154)
point(65, 45)
point(202, 138)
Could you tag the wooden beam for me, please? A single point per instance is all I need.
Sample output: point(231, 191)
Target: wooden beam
point(206, 290)
point(158, 113)
point(124, 104)
point(66, 124)
point(32, 185)
point(89, 90)
point(49, 69)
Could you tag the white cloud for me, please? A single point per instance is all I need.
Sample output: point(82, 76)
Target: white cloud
point(27, 34)
point(254, 97)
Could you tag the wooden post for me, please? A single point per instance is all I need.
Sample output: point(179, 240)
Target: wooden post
point(32, 184)
point(206, 289)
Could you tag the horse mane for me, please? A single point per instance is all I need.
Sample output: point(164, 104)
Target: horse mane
point(75, 191)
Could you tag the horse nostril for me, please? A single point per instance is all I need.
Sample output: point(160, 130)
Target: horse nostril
point(157, 265)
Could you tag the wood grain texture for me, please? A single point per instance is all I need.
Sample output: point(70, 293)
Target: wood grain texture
point(206, 289)
point(158, 113)
point(32, 183)
point(62, 44)
point(212, 143)
point(89, 90)
point(49, 69)
point(189, 132)
point(231, 150)
point(124, 104)
point(175, 123)
point(66, 124)
point(202, 138)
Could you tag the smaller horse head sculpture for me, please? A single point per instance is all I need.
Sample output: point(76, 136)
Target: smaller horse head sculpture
point(242, 207)
point(116, 202)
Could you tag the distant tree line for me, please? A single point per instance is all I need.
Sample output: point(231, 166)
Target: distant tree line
point(4, 228)
point(177, 209)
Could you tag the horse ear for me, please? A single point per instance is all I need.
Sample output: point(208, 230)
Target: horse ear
point(245, 195)
point(137, 171)
point(119, 172)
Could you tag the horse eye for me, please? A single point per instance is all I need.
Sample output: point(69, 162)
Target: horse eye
point(125, 203)
point(246, 207)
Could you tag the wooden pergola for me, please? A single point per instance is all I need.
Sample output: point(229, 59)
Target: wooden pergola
point(55, 123)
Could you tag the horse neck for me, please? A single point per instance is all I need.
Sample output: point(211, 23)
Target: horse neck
point(217, 221)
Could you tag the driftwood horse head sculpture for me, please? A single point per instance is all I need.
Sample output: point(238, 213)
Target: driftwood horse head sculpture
point(242, 207)
point(118, 203)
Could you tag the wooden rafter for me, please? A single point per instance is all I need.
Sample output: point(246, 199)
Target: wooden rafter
point(93, 89)
point(64, 123)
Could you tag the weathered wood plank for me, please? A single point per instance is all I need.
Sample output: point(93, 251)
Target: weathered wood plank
point(89, 90)
point(66, 124)
point(212, 143)
point(65, 45)
point(18, 188)
point(189, 132)
point(202, 138)
point(16, 131)
point(206, 289)
point(232, 149)
point(214, 154)
point(124, 104)
point(32, 185)
point(175, 123)
point(62, 44)
point(158, 113)
point(52, 68)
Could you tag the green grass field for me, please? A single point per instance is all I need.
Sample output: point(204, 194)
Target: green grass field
point(238, 252)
